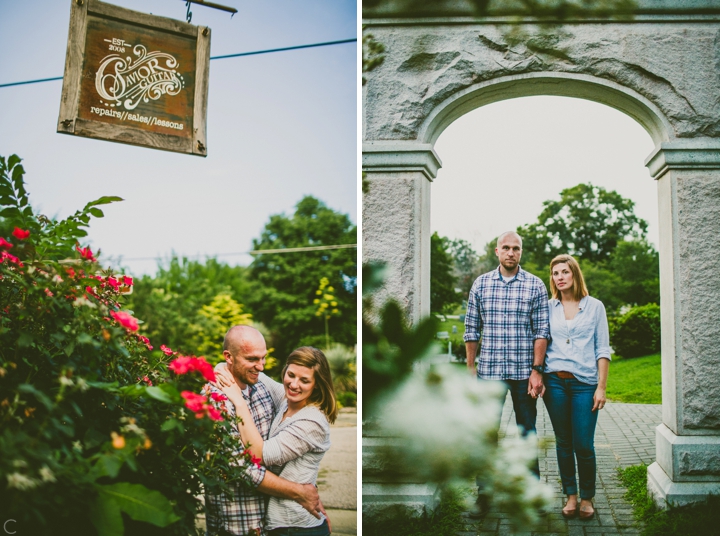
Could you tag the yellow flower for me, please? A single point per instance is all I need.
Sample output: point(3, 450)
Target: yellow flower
point(118, 441)
point(318, 292)
point(330, 289)
point(316, 300)
point(147, 443)
point(334, 303)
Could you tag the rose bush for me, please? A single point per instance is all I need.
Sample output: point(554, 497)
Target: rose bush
point(101, 434)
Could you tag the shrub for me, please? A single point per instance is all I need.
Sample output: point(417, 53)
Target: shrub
point(347, 399)
point(637, 332)
point(100, 431)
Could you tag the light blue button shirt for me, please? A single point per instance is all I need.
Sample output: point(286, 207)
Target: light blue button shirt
point(577, 348)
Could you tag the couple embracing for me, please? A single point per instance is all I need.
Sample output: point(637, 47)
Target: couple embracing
point(558, 349)
point(286, 426)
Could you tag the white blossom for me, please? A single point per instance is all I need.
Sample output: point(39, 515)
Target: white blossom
point(83, 301)
point(77, 445)
point(21, 482)
point(46, 474)
point(82, 384)
point(64, 380)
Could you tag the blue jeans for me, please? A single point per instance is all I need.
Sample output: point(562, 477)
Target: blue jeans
point(320, 530)
point(569, 403)
point(525, 408)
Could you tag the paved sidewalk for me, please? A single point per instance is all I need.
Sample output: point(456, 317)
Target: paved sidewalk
point(625, 436)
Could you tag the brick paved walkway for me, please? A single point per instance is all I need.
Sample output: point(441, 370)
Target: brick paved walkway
point(625, 436)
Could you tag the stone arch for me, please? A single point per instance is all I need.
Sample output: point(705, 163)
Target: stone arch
point(556, 84)
point(650, 69)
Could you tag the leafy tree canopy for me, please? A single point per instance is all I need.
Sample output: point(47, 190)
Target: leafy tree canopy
point(443, 297)
point(285, 284)
point(587, 222)
point(175, 302)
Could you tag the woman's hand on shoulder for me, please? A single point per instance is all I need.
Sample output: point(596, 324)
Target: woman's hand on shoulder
point(227, 384)
point(599, 399)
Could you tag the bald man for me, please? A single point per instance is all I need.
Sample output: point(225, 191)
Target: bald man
point(243, 512)
point(508, 307)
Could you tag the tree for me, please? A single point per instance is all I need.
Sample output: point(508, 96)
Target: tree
point(443, 297)
point(285, 284)
point(172, 300)
point(587, 222)
point(465, 263)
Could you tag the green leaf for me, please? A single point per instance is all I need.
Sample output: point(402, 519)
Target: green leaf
point(171, 424)
point(42, 397)
point(105, 200)
point(105, 516)
point(69, 348)
point(96, 212)
point(13, 160)
point(159, 394)
point(108, 465)
point(140, 503)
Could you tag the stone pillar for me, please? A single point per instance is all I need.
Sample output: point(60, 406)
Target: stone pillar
point(396, 219)
point(396, 231)
point(688, 440)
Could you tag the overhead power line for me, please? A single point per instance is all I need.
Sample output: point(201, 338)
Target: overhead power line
point(252, 252)
point(253, 53)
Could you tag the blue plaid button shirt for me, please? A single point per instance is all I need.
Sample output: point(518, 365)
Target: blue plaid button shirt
point(242, 511)
point(510, 316)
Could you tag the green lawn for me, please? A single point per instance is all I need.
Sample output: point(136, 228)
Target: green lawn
point(691, 520)
point(636, 380)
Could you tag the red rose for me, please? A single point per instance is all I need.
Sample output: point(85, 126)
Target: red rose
point(20, 234)
point(214, 414)
point(217, 397)
point(193, 401)
point(86, 253)
point(114, 283)
point(125, 320)
point(4, 243)
point(204, 368)
point(166, 350)
point(181, 365)
point(127, 281)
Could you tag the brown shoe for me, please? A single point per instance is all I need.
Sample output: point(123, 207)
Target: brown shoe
point(586, 514)
point(569, 513)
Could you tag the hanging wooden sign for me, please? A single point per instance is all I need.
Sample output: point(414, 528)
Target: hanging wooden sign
point(135, 78)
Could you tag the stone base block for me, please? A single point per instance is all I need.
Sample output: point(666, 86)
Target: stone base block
point(383, 501)
point(666, 492)
point(688, 458)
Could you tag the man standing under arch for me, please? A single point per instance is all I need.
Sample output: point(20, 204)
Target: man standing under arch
point(508, 308)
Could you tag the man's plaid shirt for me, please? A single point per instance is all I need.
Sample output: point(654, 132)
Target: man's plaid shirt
point(243, 511)
point(510, 316)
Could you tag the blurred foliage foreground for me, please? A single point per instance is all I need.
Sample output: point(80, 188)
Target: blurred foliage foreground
point(437, 423)
point(102, 432)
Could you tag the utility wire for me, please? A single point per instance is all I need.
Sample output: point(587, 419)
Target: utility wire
point(253, 53)
point(252, 252)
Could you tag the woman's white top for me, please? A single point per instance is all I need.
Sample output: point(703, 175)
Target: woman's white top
point(576, 345)
point(293, 452)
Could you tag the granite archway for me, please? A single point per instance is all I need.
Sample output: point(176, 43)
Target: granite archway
point(661, 69)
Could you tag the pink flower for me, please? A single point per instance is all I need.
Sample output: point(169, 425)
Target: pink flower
point(114, 283)
point(12, 258)
point(20, 234)
point(127, 281)
point(4, 243)
point(214, 414)
point(194, 402)
point(125, 320)
point(146, 341)
point(166, 350)
point(86, 253)
point(49, 293)
point(181, 365)
point(253, 458)
point(204, 368)
point(217, 397)
point(145, 379)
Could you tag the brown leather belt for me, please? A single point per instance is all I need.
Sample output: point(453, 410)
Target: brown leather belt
point(564, 375)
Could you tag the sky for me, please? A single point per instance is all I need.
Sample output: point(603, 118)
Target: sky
point(501, 161)
point(280, 126)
